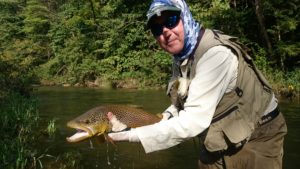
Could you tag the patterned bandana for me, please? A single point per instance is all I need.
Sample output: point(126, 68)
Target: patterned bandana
point(191, 27)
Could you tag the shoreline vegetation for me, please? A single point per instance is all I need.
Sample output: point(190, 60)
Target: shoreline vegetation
point(280, 87)
point(104, 44)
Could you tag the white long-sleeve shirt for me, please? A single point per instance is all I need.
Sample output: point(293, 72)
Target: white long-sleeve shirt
point(216, 74)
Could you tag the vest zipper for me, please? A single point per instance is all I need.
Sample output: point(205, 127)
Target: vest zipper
point(222, 115)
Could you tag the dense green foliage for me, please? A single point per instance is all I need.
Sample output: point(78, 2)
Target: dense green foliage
point(18, 116)
point(75, 42)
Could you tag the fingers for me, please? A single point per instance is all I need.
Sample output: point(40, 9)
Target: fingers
point(120, 130)
point(110, 115)
point(170, 112)
point(166, 116)
point(119, 136)
point(116, 124)
point(130, 135)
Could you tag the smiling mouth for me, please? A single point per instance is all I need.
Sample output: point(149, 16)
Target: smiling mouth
point(171, 42)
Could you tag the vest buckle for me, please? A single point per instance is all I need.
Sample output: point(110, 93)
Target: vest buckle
point(239, 91)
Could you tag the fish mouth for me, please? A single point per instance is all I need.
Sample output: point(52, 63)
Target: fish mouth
point(81, 134)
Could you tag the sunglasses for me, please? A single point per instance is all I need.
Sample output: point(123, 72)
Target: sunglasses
point(170, 23)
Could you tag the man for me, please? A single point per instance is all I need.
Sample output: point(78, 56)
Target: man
point(221, 97)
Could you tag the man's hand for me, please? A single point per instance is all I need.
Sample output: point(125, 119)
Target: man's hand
point(116, 124)
point(169, 113)
point(120, 130)
point(166, 115)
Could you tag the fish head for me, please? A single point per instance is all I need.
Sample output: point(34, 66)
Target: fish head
point(92, 123)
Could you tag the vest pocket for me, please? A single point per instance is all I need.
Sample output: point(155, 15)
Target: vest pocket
point(238, 132)
point(230, 131)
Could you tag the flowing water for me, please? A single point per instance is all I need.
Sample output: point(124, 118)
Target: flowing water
point(63, 104)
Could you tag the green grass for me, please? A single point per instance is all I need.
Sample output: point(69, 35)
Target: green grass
point(21, 135)
point(19, 117)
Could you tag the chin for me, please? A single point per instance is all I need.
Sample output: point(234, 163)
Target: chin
point(173, 51)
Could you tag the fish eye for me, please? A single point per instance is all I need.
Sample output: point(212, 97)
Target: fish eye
point(85, 121)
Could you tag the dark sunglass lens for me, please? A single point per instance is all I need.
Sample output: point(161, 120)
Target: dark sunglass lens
point(156, 30)
point(172, 21)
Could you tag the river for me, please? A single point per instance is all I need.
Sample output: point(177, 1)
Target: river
point(63, 104)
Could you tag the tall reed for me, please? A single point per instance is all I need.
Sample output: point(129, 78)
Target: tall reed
point(18, 123)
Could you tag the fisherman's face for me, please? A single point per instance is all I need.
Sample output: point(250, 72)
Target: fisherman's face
point(171, 34)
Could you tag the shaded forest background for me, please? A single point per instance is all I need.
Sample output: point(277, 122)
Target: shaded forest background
point(98, 42)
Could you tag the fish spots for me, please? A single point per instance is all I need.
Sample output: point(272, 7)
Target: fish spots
point(95, 122)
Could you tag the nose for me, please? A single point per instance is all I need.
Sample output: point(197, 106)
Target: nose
point(166, 31)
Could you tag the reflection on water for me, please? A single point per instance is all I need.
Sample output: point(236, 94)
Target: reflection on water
point(64, 104)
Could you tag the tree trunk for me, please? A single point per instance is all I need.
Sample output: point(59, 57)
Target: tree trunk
point(93, 10)
point(260, 18)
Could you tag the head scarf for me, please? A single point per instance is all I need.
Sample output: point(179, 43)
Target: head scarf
point(191, 27)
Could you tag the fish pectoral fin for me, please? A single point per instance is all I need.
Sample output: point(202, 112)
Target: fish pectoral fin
point(110, 140)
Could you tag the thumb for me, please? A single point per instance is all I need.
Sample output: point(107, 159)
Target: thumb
point(117, 125)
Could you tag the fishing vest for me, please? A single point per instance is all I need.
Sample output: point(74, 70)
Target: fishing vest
point(238, 112)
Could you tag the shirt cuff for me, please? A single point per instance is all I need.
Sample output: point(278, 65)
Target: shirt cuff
point(172, 110)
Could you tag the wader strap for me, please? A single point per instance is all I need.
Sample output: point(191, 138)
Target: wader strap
point(201, 33)
point(204, 45)
point(223, 163)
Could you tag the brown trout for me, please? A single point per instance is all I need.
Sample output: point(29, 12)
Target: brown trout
point(95, 122)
